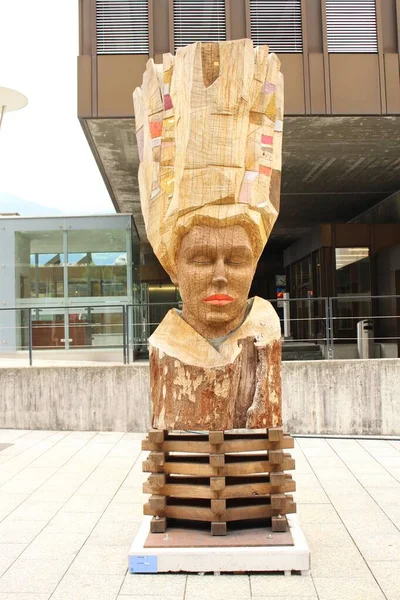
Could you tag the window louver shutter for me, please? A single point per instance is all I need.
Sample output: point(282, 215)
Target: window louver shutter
point(199, 21)
point(277, 23)
point(351, 25)
point(122, 26)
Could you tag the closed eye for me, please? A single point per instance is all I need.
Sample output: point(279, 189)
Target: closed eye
point(201, 260)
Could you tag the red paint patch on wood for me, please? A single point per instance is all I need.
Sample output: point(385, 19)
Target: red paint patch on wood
point(155, 128)
point(167, 102)
point(263, 170)
point(267, 139)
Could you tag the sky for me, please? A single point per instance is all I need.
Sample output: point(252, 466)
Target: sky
point(44, 155)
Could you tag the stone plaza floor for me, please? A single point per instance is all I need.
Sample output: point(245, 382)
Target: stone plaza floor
point(71, 503)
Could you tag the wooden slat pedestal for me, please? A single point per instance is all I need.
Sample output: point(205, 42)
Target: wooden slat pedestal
point(219, 477)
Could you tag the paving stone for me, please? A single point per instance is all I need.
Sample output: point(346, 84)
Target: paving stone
point(378, 480)
point(336, 475)
point(124, 495)
point(14, 532)
point(55, 546)
point(327, 535)
point(107, 437)
point(317, 513)
point(141, 586)
point(8, 502)
point(336, 588)
point(373, 521)
point(387, 574)
point(378, 546)
point(324, 462)
point(33, 576)
point(129, 597)
point(331, 562)
point(290, 597)
point(73, 522)
point(383, 496)
point(49, 492)
point(124, 512)
point(311, 495)
point(108, 560)
point(8, 554)
point(113, 533)
point(218, 587)
point(35, 511)
point(351, 500)
point(368, 466)
point(99, 488)
point(279, 585)
point(9, 435)
point(91, 504)
point(393, 513)
point(88, 587)
point(24, 596)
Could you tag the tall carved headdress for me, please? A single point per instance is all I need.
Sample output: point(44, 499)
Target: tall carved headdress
point(209, 133)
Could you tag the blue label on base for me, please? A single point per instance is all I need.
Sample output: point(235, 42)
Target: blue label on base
point(143, 564)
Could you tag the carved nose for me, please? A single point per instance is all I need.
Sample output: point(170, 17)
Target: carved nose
point(219, 275)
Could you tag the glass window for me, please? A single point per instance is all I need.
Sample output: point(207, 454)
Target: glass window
point(39, 262)
point(199, 21)
point(97, 263)
point(122, 27)
point(351, 26)
point(352, 271)
point(277, 23)
point(353, 278)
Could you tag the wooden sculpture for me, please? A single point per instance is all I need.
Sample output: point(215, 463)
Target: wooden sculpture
point(209, 133)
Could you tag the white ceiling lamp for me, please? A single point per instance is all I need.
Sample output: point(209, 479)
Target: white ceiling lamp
point(11, 100)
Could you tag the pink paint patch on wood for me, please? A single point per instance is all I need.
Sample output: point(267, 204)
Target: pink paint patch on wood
point(155, 128)
point(265, 170)
point(245, 193)
point(267, 140)
point(269, 87)
point(167, 102)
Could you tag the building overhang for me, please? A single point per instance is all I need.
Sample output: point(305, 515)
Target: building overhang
point(334, 168)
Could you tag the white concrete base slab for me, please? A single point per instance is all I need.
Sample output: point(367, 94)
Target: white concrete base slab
point(220, 559)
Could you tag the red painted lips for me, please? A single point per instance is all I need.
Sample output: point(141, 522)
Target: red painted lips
point(219, 299)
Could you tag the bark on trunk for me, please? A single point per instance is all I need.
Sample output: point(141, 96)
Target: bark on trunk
point(240, 389)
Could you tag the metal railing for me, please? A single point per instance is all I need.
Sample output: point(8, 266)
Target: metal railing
point(319, 328)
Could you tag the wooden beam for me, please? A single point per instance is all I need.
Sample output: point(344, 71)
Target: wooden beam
point(158, 525)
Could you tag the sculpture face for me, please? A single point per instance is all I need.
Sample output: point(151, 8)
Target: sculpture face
point(215, 268)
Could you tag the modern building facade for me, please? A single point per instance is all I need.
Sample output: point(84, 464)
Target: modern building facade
point(340, 60)
point(66, 279)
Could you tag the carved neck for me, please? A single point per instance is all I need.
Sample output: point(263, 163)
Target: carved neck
point(213, 330)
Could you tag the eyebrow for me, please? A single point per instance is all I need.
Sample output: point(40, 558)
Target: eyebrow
point(241, 248)
point(226, 248)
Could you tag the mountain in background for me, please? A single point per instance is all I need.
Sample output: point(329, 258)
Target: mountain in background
point(13, 204)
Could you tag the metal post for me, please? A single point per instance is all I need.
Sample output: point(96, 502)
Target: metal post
point(331, 336)
point(327, 331)
point(127, 335)
point(30, 335)
point(286, 315)
point(124, 334)
point(66, 294)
